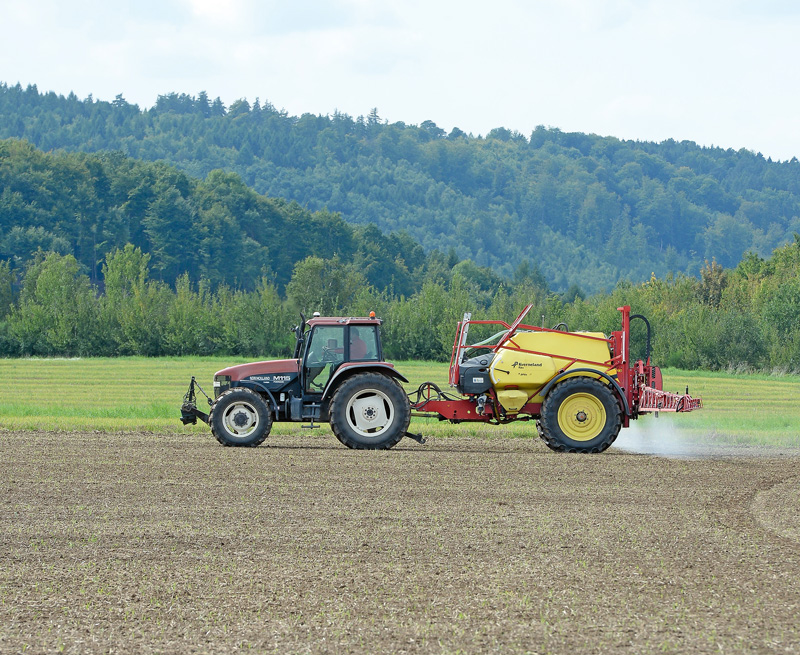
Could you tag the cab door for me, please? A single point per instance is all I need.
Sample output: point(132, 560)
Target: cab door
point(325, 351)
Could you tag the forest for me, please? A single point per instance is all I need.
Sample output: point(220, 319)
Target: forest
point(106, 253)
point(588, 210)
point(737, 319)
point(216, 230)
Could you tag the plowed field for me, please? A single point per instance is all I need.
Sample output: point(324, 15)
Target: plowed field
point(171, 543)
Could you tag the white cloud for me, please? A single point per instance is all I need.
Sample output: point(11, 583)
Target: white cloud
point(228, 12)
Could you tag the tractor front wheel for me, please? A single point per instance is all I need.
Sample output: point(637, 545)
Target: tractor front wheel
point(240, 417)
point(369, 411)
point(580, 415)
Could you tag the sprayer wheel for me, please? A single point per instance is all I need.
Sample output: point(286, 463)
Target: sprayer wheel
point(580, 415)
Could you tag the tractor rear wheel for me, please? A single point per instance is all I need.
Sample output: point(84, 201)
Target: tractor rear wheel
point(240, 417)
point(369, 411)
point(580, 415)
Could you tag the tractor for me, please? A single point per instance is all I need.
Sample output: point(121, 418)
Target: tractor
point(337, 375)
point(580, 388)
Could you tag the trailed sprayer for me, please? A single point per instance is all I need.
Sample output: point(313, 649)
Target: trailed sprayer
point(580, 388)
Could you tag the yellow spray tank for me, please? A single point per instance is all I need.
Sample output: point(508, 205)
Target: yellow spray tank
point(520, 367)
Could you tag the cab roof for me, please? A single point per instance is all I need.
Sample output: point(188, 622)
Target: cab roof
point(340, 320)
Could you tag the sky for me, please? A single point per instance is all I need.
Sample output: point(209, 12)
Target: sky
point(717, 72)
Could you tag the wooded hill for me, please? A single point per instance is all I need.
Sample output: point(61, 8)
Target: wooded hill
point(586, 209)
point(217, 230)
point(104, 254)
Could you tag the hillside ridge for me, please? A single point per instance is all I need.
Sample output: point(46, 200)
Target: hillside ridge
point(585, 209)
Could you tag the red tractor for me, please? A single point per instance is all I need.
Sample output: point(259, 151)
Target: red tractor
point(579, 387)
point(337, 374)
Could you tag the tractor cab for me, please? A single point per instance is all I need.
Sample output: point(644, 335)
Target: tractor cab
point(329, 343)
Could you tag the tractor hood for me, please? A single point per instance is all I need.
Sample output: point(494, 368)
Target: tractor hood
point(244, 371)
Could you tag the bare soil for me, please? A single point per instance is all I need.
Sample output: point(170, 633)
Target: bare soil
point(153, 543)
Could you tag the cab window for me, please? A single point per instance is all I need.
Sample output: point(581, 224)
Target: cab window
point(363, 343)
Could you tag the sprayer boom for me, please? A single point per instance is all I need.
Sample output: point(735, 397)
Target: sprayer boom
point(655, 400)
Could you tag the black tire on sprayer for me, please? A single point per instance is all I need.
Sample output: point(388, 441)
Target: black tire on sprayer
point(580, 415)
point(240, 417)
point(369, 411)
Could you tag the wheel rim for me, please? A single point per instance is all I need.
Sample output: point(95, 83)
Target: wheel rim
point(240, 419)
point(370, 413)
point(582, 416)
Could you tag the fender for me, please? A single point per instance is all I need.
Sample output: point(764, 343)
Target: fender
point(620, 393)
point(348, 368)
point(259, 388)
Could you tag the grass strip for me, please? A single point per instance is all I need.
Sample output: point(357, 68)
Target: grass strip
point(144, 394)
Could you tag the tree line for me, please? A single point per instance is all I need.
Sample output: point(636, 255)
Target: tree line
point(742, 318)
point(589, 210)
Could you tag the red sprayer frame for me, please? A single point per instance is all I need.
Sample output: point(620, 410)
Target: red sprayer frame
point(638, 386)
point(642, 381)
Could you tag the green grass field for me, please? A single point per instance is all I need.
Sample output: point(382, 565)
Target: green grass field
point(126, 394)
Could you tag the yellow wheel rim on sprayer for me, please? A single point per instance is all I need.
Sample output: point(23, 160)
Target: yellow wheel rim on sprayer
point(582, 416)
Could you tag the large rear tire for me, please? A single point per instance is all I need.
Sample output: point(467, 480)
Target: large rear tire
point(580, 415)
point(240, 417)
point(369, 411)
